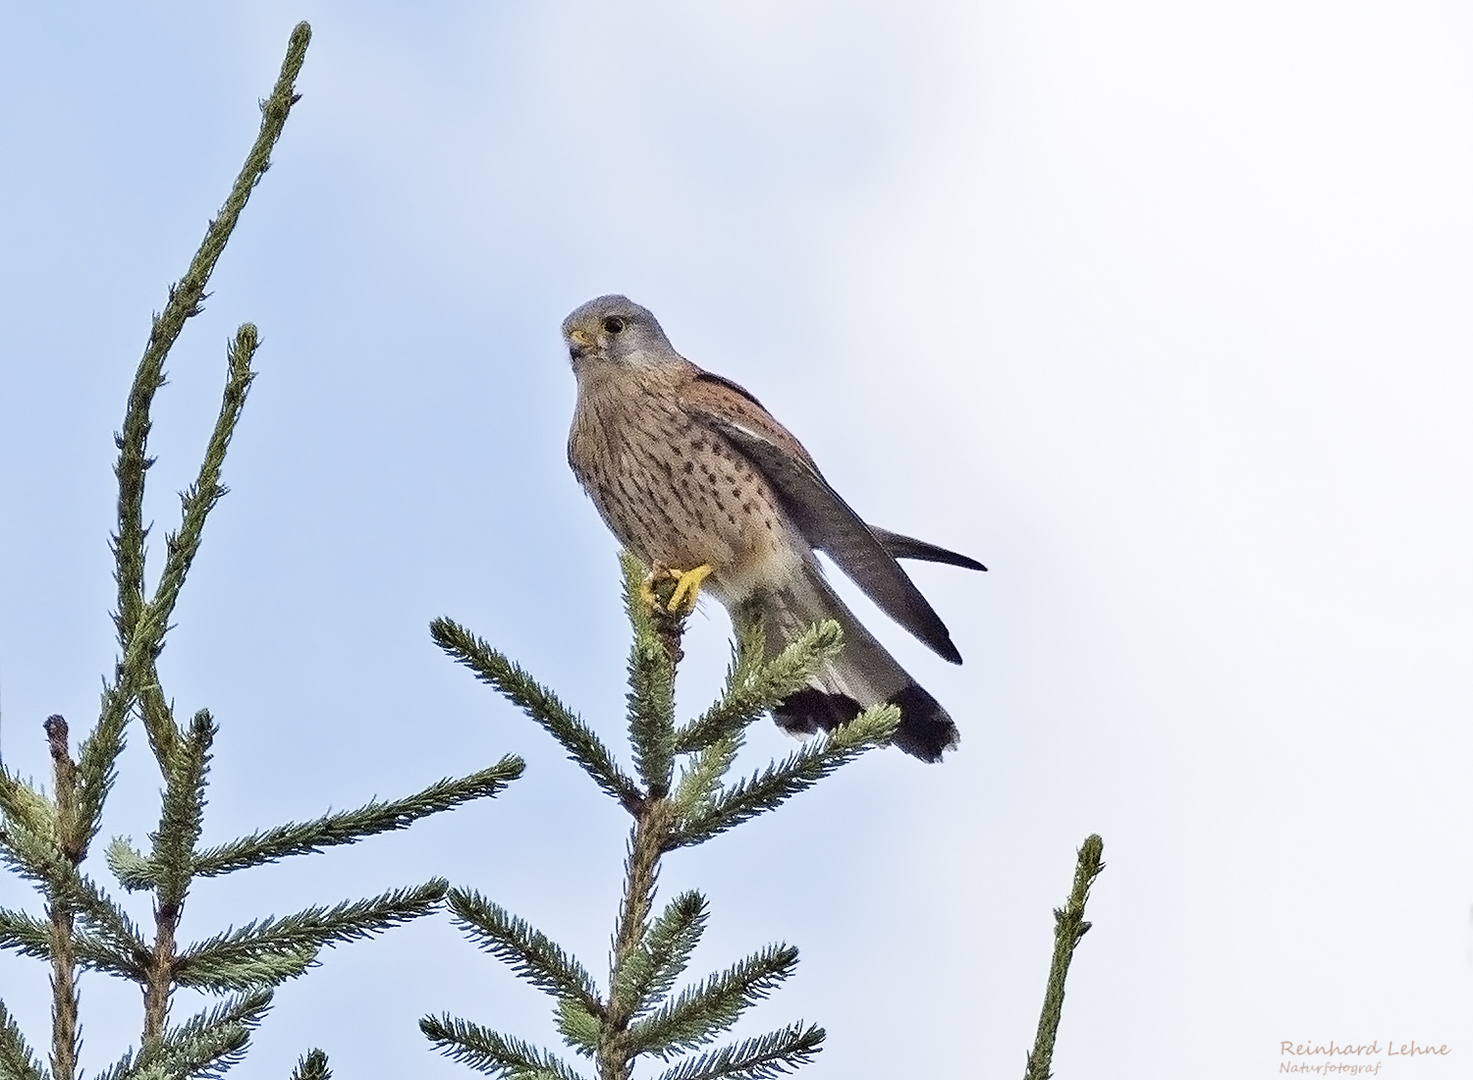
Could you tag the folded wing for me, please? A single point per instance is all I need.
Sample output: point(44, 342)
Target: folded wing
point(829, 525)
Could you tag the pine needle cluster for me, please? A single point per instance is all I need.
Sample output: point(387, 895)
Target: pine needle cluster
point(679, 794)
point(46, 837)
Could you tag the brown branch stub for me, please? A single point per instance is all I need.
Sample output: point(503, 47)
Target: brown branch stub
point(64, 770)
point(56, 735)
point(65, 1004)
point(669, 626)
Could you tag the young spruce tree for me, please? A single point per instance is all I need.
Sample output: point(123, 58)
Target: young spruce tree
point(680, 797)
point(47, 837)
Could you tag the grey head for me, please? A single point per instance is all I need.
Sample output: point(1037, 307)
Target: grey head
point(615, 330)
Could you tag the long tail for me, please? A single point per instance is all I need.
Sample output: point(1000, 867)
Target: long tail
point(863, 674)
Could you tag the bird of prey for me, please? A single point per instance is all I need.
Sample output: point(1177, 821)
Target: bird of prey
point(694, 476)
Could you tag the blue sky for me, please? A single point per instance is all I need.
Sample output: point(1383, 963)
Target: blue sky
point(1159, 310)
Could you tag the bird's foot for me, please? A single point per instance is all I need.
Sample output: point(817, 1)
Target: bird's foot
point(671, 595)
point(682, 597)
point(687, 586)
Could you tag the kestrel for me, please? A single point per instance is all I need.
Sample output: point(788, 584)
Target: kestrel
point(689, 471)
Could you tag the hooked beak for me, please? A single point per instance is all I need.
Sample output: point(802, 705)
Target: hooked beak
point(579, 343)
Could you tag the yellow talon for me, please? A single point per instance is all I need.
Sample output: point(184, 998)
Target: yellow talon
point(687, 585)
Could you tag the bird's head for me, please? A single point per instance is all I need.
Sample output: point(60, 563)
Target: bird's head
point(615, 330)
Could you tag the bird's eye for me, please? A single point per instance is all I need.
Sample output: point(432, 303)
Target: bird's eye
point(613, 324)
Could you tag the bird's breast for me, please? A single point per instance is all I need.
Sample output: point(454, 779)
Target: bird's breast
point(674, 491)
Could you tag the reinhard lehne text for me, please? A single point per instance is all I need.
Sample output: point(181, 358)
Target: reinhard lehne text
point(1351, 1059)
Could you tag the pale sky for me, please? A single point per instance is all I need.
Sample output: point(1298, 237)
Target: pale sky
point(1160, 310)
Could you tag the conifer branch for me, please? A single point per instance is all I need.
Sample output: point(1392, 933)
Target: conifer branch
point(17, 1061)
point(774, 1054)
point(210, 1042)
point(46, 842)
point(580, 1028)
point(205, 493)
point(1069, 928)
point(513, 683)
point(349, 826)
point(652, 712)
point(185, 770)
point(665, 952)
point(141, 626)
point(753, 687)
point(157, 714)
point(64, 773)
point(46, 839)
point(30, 856)
point(182, 816)
point(704, 1011)
point(526, 950)
point(159, 975)
point(777, 783)
point(651, 695)
point(66, 1037)
point(641, 869)
point(491, 1052)
point(114, 944)
point(119, 941)
point(31, 851)
point(23, 807)
point(28, 936)
point(185, 301)
point(206, 1045)
point(700, 778)
point(269, 951)
point(312, 1067)
point(248, 964)
point(648, 957)
point(98, 755)
point(135, 871)
point(197, 502)
point(117, 945)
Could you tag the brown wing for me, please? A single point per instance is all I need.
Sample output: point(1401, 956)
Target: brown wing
point(825, 520)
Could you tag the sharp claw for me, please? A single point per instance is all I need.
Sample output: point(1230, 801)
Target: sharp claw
point(687, 585)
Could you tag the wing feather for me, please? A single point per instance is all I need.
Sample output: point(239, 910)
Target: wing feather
point(908, 547)
point(826, 520)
